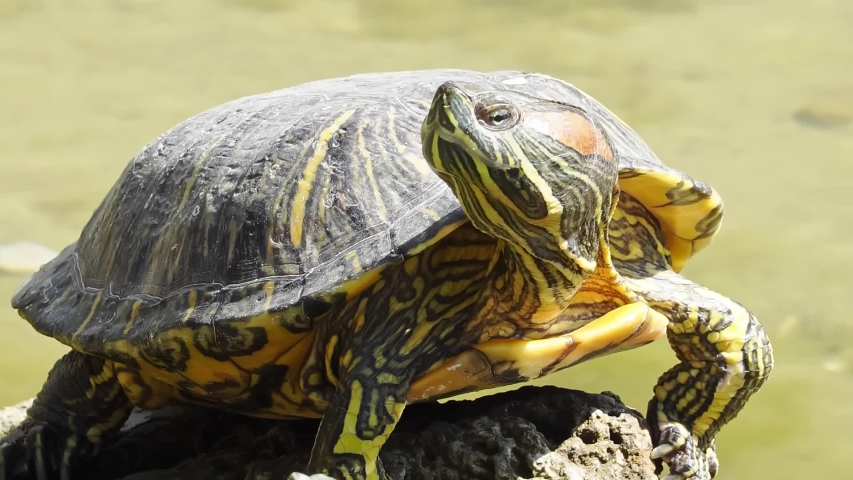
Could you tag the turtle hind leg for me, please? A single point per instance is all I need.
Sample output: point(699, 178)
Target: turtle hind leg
point(81, 405)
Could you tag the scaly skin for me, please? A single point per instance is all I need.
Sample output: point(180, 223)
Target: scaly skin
point(545, 251)
point(502, 297)
point(81, 406)
point(724, 354)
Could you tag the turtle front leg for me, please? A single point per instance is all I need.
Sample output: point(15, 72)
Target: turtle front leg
point(725, 357)
point(361, 415)
point(80, 404)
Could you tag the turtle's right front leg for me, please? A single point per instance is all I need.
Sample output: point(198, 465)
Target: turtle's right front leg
point(725, 357)
point(81, 404)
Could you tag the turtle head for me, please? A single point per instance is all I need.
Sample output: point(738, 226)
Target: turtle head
point(538, 174)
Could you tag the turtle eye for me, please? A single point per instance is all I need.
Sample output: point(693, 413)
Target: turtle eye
point(498, 116)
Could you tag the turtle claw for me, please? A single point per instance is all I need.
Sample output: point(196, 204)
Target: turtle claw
point(679, 449)
point(39, 452)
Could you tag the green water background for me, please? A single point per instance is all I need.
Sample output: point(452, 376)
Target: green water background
point(754, 97)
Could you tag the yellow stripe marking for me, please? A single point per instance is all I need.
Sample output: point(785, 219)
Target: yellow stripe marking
point(730, 344)
point(304, 186)
point(359, 316)
point(430, 213)
point(88, 317)
point(418, 162)
point(679, 222)
point(191, 300)
point(368, 166)
point(417, 336)
point(134, 311)
point(350, 442)
point(277, 213)
point(269, 289)
point(392, 132)
point(330, 352)
point(352, 256)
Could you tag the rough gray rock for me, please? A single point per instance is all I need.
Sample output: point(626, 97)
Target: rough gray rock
point(11, 416)
point(539, 433)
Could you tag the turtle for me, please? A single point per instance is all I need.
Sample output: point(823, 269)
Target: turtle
point(344, 247)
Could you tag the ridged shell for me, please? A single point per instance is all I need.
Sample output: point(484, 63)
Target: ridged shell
point(272, 201)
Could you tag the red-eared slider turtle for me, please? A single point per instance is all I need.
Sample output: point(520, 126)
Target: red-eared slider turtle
point(344, 247)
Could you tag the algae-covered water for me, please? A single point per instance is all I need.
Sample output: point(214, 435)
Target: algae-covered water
point(754, 97)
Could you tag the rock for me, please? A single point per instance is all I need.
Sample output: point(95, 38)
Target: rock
point(11, 416)
point(539, 433)
point(601, 447)
point(24, 257)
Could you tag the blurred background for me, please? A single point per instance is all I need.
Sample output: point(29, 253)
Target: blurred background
point(754, 97)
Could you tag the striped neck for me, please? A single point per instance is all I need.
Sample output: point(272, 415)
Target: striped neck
point(525, 294)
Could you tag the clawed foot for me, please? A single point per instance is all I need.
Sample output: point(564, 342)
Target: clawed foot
point(40, 452)
point(680, 450)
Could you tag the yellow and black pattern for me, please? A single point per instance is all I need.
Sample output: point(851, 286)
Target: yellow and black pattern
point(689, 212)
point(414, 317)
point(724, 354)
point(343, 247)
point(81, 407)
point(438, 304)
point(506, 197)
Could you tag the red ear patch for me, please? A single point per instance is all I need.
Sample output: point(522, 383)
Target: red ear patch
point(574, 130)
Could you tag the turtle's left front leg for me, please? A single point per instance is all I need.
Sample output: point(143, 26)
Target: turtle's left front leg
point(725, 357)
point(361, 415)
